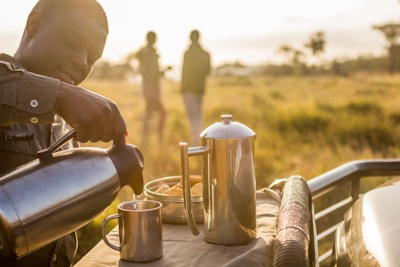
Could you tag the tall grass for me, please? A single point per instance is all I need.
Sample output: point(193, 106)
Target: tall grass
point(304, 125)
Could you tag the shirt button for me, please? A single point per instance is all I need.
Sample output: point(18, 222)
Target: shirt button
point(34, 103)
point(34, 120)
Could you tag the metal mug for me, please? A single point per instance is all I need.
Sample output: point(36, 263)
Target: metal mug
point(140, 230)
point(229, 183)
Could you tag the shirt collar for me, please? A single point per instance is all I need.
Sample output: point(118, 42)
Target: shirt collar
point(8, 58)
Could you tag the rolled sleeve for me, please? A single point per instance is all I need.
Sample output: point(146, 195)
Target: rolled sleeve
point(26, 97)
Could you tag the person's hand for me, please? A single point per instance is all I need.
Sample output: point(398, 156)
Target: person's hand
point(94, 117)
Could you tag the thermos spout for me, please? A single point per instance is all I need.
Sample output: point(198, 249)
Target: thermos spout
point(129, 162)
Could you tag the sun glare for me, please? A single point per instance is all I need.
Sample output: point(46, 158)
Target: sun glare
point(235, 30)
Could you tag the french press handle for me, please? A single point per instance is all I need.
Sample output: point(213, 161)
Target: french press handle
point(187, 198)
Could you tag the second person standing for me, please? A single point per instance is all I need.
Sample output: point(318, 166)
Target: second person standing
point(196, 67)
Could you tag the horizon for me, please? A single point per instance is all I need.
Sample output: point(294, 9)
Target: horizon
point(248, 32)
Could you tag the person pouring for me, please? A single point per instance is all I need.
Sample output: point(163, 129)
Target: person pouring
point(40, 99)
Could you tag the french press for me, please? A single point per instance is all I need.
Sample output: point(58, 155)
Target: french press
point(229, 184)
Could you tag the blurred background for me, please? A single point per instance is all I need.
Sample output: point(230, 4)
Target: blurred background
point(236, 32)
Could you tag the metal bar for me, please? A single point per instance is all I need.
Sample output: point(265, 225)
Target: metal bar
point(328, 231)
point(355, 189)
point(352, 170)
point(314, 237)
point(197, 150)
point(334, 207)
point(325, 255)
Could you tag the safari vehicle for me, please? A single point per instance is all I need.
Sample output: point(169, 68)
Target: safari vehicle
point(355, 215)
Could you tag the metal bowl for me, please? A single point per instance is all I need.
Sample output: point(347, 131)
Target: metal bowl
point(173, 210)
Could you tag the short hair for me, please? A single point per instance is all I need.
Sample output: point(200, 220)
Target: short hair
point(194, 35)
point(91, 8)
point(151, 35)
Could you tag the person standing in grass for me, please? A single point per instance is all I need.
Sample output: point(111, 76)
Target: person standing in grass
point(196, 67)
point(40, 99)
point(151, 74)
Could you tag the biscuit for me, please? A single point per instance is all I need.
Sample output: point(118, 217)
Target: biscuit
point(193, 180)
point(197, 189)
point(174, 192)
point(178, 185)
point(177, 189)
point(162, 188)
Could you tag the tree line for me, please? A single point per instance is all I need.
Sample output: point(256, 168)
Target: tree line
point(307, 60)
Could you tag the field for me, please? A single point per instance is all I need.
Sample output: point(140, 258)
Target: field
point(304, 125)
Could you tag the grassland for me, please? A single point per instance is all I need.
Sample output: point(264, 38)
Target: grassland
point(304, 125)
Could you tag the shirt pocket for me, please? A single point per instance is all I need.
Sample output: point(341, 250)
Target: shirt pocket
point(15, 152)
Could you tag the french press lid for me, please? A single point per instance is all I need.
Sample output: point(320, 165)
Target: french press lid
point(227, 129)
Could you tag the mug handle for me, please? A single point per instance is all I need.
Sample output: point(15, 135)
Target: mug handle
point(103, 231)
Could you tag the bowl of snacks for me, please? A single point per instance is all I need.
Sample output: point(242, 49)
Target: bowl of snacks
point(169, 191)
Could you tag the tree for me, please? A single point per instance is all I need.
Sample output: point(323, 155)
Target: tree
point(392, 34)
point(316, 43)
point(296, 56)
point(316, 46)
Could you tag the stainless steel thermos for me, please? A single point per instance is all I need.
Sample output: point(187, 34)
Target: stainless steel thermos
point(60, 192)
point(229, 184)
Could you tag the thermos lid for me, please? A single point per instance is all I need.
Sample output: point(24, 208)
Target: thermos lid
point(227, 129)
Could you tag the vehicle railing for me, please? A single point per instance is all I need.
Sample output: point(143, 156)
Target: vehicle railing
point(351, 172)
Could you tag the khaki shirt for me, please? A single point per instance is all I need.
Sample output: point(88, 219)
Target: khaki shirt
point(148, 64)
point(149, 69)
point(195, 69)
point(26, 104)
point(28, 124)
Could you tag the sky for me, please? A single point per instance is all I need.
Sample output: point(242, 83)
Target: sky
point(248, 31)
